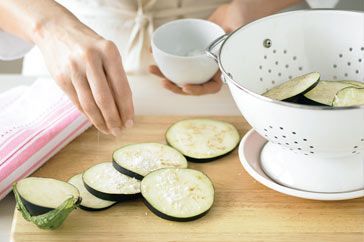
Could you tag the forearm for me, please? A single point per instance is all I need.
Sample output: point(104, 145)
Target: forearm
point(31, 19)
point(255, 9)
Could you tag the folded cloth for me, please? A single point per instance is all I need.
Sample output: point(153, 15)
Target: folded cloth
point(35, 123)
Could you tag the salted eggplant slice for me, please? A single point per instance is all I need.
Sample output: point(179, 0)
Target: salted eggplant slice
point(294, 87)
point(349, 96)
point(354, 83)
point(89, 202)
point(203, 140)
point(105, 182)
point(41, 195)
point(325, 91)
point(137, 160)
point(178, 194)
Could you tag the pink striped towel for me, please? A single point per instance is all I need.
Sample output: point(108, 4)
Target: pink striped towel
point(35, 123)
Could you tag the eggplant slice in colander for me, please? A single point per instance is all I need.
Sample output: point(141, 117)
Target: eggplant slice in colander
point(287, 91)
point(325, 91)
point(349, 96)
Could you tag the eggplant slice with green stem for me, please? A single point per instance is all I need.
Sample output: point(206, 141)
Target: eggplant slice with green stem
point(45, 202)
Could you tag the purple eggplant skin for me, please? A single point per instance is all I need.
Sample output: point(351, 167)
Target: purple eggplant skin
point(112, 197)
point(171, 218)
point(126, 172)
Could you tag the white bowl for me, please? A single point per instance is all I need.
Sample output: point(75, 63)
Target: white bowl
point(179, 50)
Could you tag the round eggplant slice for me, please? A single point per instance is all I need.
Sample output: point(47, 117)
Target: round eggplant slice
point(41, 195)
point(350, 96)
point(294, 87)
point(354, 83)
point(324, 92)
point(202, 140)
point(178, 194)
point(89, 202)
point(104, 182)
point(138, 160)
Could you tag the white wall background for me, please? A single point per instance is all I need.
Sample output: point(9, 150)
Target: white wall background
point(15, 66)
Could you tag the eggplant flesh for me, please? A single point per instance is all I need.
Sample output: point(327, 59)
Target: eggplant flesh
point(349, 96)
point(137, 160)
point(89, 202)
point(294, 87)
point(178, 194)
point(105, 182)
point(202, 140)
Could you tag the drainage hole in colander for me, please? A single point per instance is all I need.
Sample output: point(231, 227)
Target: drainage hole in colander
point(284, 51)
point(357, 71)
point(287, 66)
point(349, 63)
point(260, 67)
point(341, 55)
point(296, 142)
point(276, 63)
point(273, 82)
point(294, 58)
point(346, 74)
point(274, 51)
point(350, 49)
point(360, 60)
point(335, 66)
point(300, 68)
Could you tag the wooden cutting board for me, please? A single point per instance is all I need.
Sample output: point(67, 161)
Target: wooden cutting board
point(244, 210)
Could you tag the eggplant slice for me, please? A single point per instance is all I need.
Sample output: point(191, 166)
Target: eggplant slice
point(203, 140)
point(137, 160)
point(104, 182)
point(41, 195)
point(89, 202)
point(325, 91)
point(292, 88)
point(178, 194)
point(349, 96)
point(354, 83)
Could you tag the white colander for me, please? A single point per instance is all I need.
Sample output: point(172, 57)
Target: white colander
point(311, 148)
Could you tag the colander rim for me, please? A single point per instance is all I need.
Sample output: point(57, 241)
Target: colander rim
point(266, 99)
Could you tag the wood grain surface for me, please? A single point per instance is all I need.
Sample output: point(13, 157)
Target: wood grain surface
point(244, 210)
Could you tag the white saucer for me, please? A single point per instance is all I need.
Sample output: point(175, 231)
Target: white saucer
point(249, 152)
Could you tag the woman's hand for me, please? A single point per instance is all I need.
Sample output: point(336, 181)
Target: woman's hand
point(210, 87)
point(89, 70)
point(87, 67)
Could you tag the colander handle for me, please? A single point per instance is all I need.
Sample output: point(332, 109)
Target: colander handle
point(212, 46)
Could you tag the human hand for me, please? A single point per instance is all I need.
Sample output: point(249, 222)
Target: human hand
point(89, 70)
point(210, 87)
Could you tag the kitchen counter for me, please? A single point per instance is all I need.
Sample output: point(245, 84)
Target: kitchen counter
point(149, 99)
